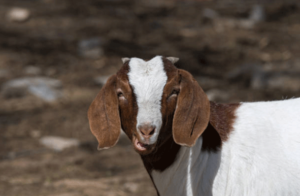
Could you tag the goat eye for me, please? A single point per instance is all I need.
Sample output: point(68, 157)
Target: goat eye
point(174, 93)
point(120, 94)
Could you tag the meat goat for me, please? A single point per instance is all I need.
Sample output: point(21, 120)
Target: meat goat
point(191, 146)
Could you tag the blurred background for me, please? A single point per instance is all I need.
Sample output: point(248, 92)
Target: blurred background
point(56, 54)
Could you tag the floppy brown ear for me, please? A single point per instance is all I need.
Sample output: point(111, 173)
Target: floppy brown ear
point(103, 115)
point(192, 111)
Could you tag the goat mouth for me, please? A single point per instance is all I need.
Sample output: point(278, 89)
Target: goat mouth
point(141, 147)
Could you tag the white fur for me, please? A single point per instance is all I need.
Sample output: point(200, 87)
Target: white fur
point(260, 158)
point(148, 79)
point(191, 174)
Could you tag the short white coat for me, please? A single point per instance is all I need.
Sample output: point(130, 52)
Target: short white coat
point(260, 158)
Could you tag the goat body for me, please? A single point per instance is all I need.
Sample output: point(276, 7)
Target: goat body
point(194, 147)
point(260, 157)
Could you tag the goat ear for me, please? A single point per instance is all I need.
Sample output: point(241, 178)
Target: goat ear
point(103, 115)
point(192, 111)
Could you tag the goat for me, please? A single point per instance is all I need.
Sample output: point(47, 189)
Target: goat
point(191, 146)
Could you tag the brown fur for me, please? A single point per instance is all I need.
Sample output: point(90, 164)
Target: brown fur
point(128, 108)
point(108, 114)
point(222, 118)
point(192, 112)
point(104, 117)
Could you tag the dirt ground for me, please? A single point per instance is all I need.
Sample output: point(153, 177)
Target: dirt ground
point(232, 57)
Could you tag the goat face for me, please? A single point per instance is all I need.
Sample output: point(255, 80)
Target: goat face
point(151, 101)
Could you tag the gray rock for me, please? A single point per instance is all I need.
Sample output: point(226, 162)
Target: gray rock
point(101, 80)
point(90, 48)
point(209, 13)
point(18, 14)
point(257, 13)
point(58, 143)
point(44, 91)
point(47, 89)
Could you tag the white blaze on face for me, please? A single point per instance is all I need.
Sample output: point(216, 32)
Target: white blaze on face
point(148, 79)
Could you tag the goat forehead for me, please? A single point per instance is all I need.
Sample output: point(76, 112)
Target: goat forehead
point(147, 78)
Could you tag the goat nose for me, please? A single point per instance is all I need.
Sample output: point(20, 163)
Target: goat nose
point(147, 130)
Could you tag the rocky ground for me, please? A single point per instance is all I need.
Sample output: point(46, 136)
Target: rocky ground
point(56, 54)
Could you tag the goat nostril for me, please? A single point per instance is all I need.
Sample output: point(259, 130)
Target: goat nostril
point(147, 131)
point(152, 132)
